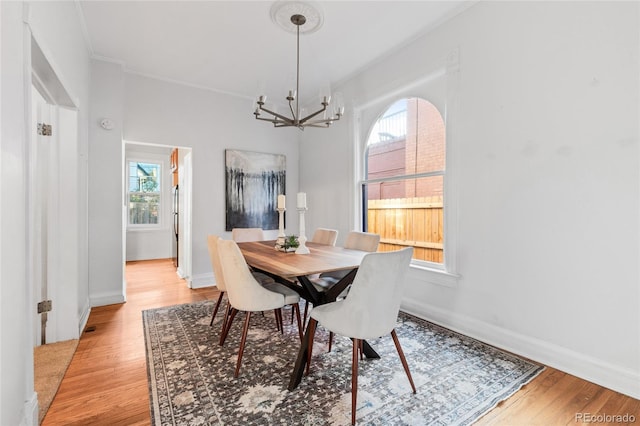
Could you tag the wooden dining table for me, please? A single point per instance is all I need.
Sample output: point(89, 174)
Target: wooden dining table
point(293, 270)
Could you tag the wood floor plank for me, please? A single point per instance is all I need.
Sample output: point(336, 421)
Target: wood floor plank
point(106, 383)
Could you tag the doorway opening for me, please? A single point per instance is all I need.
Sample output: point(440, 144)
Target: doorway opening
point(157, 210)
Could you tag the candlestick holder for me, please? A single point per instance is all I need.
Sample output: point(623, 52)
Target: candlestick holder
point(281, 236)
point(302, 239)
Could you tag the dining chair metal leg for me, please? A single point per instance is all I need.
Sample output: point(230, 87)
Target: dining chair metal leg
point(402, 358)
point(311, 328)
point(223, 336)
point(354, 380)
point(296, 308)
point(215, 310)
point(243, 340)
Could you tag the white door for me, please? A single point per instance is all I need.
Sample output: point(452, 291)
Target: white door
point(42, 114)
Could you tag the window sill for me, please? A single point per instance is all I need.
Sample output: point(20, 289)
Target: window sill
point(146, 229)
point(434, 276)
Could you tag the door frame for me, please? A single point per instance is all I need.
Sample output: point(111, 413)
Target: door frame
point(62, 248)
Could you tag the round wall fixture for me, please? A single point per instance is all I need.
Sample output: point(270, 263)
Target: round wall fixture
point(106, 124)
point(282, 11)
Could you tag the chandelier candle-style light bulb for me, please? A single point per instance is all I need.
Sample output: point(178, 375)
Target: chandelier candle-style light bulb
point(299, 118)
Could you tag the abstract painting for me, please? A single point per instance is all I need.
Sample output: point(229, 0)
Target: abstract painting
point(253, 182)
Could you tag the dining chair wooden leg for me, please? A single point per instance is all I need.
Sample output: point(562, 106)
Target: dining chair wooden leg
point(304, 317)
point(296, 308)
point(402, 358)
point(361, 351)
point(330, 340)
point(311, 328)
point(292, 312)
point(243, 340)
point(227, 312)
point(275, 313)
point(223, 336)
point(280, 323)
point(215, 310)
point(354, 380)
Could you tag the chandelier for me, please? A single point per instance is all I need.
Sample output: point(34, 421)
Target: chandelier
point(323, 117)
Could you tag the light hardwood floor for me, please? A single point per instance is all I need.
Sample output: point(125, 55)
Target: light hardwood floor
point(106, 383)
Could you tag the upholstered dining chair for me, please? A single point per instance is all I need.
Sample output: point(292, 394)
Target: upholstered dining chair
point(291, 297)
point(370, 311)
point(242, 235)
point(245, 293)
point(325, 236)
point(212, 244)
point(245, 235)
point(364, 241)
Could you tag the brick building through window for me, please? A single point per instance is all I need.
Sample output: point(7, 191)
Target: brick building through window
point(404, 185)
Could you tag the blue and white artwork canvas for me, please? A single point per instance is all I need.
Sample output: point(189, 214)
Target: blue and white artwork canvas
point(253, 182)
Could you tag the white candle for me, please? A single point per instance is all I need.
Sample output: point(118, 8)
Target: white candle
point(302, 200)
point(281, 201)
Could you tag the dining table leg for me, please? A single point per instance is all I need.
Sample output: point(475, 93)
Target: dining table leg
point(301, 362)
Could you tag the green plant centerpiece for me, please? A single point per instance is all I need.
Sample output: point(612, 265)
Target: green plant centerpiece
point(290, 243)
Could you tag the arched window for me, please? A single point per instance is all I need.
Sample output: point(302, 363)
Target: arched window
point(403, 190)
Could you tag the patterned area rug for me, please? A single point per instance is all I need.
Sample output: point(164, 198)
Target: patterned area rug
point(191, 377)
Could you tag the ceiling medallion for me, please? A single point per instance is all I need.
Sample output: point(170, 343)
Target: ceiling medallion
point(282, 11)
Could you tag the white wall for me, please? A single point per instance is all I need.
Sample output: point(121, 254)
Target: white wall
point(15, 368)
point(56, 28)
point(208, 122)
point(546, 135)
point(106, 200)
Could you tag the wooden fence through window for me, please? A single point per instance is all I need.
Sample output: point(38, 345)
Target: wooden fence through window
point(408, 222)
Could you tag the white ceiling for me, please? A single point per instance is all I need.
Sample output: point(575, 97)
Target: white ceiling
point(234, 46)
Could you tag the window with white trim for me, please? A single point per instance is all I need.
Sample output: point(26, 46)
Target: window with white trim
point(403, 188)
point(144, 193)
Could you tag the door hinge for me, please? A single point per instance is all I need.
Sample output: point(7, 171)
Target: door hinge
point(45, 129)
point(44, 306)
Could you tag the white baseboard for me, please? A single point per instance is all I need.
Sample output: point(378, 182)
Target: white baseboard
point(84, 318)
point(180, 272)
point(106, 299)
point(30, 411)
point(203, 280)
point(588, 368)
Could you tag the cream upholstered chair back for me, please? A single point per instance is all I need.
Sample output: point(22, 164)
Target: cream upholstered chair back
point(364, 241)
point(244, 291)
point(212, 243)
point(325, 236)
point(241, 235)
point(372, 307)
